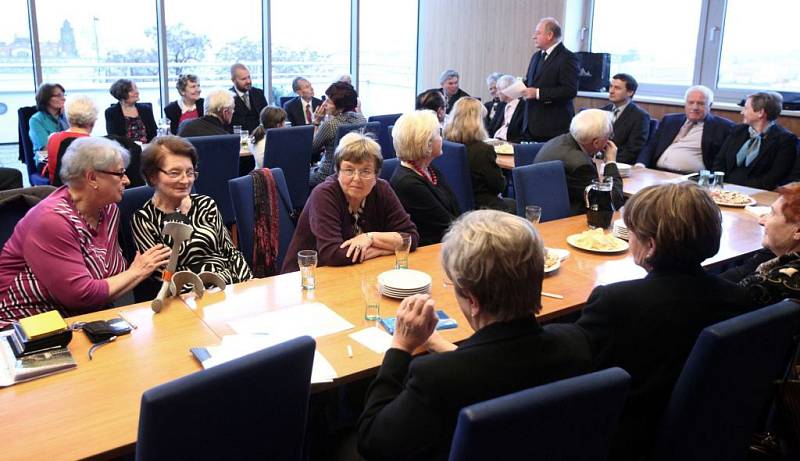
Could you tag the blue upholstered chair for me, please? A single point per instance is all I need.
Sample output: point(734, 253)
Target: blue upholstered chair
point(569, 419)
point(133, 199)
point(253, 407)
point(543, 184)
point(525, 154)
point(290, 150)
point(384, 135)
point(218, 162)
point(241, 190)
point(725, 385)
point(389, 165)
point(371, 128)
point(284, 99)
point(26, 146)
point(454, 166)
point(653, 127)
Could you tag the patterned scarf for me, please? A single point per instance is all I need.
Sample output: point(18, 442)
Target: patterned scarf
point(750, 149)
point(266, 232)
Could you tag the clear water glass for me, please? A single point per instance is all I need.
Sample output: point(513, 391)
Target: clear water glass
point(307, 261)
point(401, 251)
point(533, 213)
point(371, 289)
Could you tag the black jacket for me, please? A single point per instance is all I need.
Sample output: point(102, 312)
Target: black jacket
point(207, 125)
point(432, 208)
point(248, 118)
point(715, 132)
point(115, 120)
point(294, 110)
point(631, 130)
point(771, 168)
point(516, 127)
point(557, 80)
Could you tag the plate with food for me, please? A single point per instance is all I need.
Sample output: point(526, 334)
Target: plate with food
point(552, 261)
point(732, 199)
point(597, 241)
point(504, 149)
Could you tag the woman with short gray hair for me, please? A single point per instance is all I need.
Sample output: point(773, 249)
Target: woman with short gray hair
point(64, 254)
point(82, 115)
point(189, 106)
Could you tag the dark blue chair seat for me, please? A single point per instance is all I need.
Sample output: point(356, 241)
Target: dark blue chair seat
point(290, 150)
point(371, 128)
point(543, 184)
point(454, 166)
point(385, 135)
point(218, 162)
point(525, 154)
point(389, 165)
point(571, 419)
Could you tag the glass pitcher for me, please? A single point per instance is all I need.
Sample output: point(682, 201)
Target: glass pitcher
point(599, 203)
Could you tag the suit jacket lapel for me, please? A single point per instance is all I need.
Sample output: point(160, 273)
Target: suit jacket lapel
point(547, 61)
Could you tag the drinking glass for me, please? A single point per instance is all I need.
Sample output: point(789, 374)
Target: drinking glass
point(718, 183)
point(401, 251)
point(371, 290)
point(533, 213)
point(244, 140)
point(307, 261)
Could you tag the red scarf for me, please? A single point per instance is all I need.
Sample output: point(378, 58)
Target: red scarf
point(267, 230)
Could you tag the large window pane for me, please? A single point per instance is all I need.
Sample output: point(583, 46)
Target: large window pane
point(16, 68)
point(749, 61)
point(653, 41)
point(205, 38)
point(387, 56)
point(88, 45)
point(309, 39)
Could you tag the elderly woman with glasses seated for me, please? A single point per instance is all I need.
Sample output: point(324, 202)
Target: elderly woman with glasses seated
point(169, 164)
point(353, 215)
point(64, 253)
point(496, 263)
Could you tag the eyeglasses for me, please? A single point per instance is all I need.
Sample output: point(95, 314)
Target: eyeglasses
point(175, 174)
point(119, 174)
point(363, 174)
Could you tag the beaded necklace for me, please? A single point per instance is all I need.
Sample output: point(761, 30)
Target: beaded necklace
point(427, 173)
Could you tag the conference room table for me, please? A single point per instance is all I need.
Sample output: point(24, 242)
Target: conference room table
point(92, 411)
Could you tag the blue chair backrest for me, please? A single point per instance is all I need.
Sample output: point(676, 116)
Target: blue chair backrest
point(525, 154)
point(653, 128)
point(24, 115)
point(726, 383)
point(290, 150)
point(253, 407)
point(132, 200)
point(218, 162)
point(389, 165)
point(371, 128)
point(385, 136)
point(565, 420)
point(241, 190)
point(543, 184)
point(454, 166)
point(285, 99)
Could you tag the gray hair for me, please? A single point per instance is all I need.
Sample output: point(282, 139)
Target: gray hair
point(552, 25)
point(218, 100)
point(498, 258)
point(770, 102)
point(296, 82)
point(493, 77)
point(447, 75)
point(703, 89)
point(345, 78)
point(591, 124)
point(81, 111)
point(505, 81)
point(413, 135)
point(89, 153)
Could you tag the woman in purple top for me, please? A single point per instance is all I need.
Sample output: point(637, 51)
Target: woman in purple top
point(352, 216)
point(64, 253)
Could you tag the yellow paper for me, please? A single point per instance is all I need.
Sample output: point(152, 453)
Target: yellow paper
point(41, 325)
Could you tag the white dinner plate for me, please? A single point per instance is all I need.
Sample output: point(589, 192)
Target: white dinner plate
point(573, 240)
point(404, 279)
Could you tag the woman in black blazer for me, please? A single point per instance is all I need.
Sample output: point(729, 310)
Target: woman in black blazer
point(649, 326)
point(758, 153)
point(128, 117)
point(496, 263)
point(189, 106)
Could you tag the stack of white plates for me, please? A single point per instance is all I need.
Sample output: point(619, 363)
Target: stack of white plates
point(620, 230)
point(401, 283)
point(624, 169)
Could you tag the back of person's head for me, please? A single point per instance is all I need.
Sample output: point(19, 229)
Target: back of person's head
point(270, 117)
point(343, 96)
point(153, 154)
point(447, 75)
point(345, 78)
point(45, 92)
point(630, 83)
point(498, 258)
point(81, 111)
point(358, 148)
point(431, 100)
point(218, 100)
point(770, 102)
point(413, 134)
point(90, 153)
point(681, 219)
point(591, 124)
point(465, 124)
point(121, 89)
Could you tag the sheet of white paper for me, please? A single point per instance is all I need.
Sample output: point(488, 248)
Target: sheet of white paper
point(373, 338)
point(515, 91)
point(313, 319)
point(323, 371)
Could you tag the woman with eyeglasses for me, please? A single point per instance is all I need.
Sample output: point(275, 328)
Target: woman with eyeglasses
point(353, 215)
point(49, 119)
point(64, 254)
point(169, 164)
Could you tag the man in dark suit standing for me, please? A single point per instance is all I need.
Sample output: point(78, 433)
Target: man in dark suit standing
point(631, 122)
point(300, 110)
point(508, 122)
point(688, 142)
point(249, 100)
point(552, 81)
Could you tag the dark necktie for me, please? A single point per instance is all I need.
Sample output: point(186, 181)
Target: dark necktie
point(539, 63)
point(308, 113)
point(246, 100)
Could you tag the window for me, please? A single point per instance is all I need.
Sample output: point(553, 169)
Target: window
point(314, 44)
point(653, 41)
point(17, 88)
point(387, 56)
point(86, 46)
point(206, 38)
point(750, 62)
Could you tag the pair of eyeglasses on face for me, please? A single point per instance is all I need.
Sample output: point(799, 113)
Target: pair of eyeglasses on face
point(363, 174)
point(119, 174)
point(175, 174)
